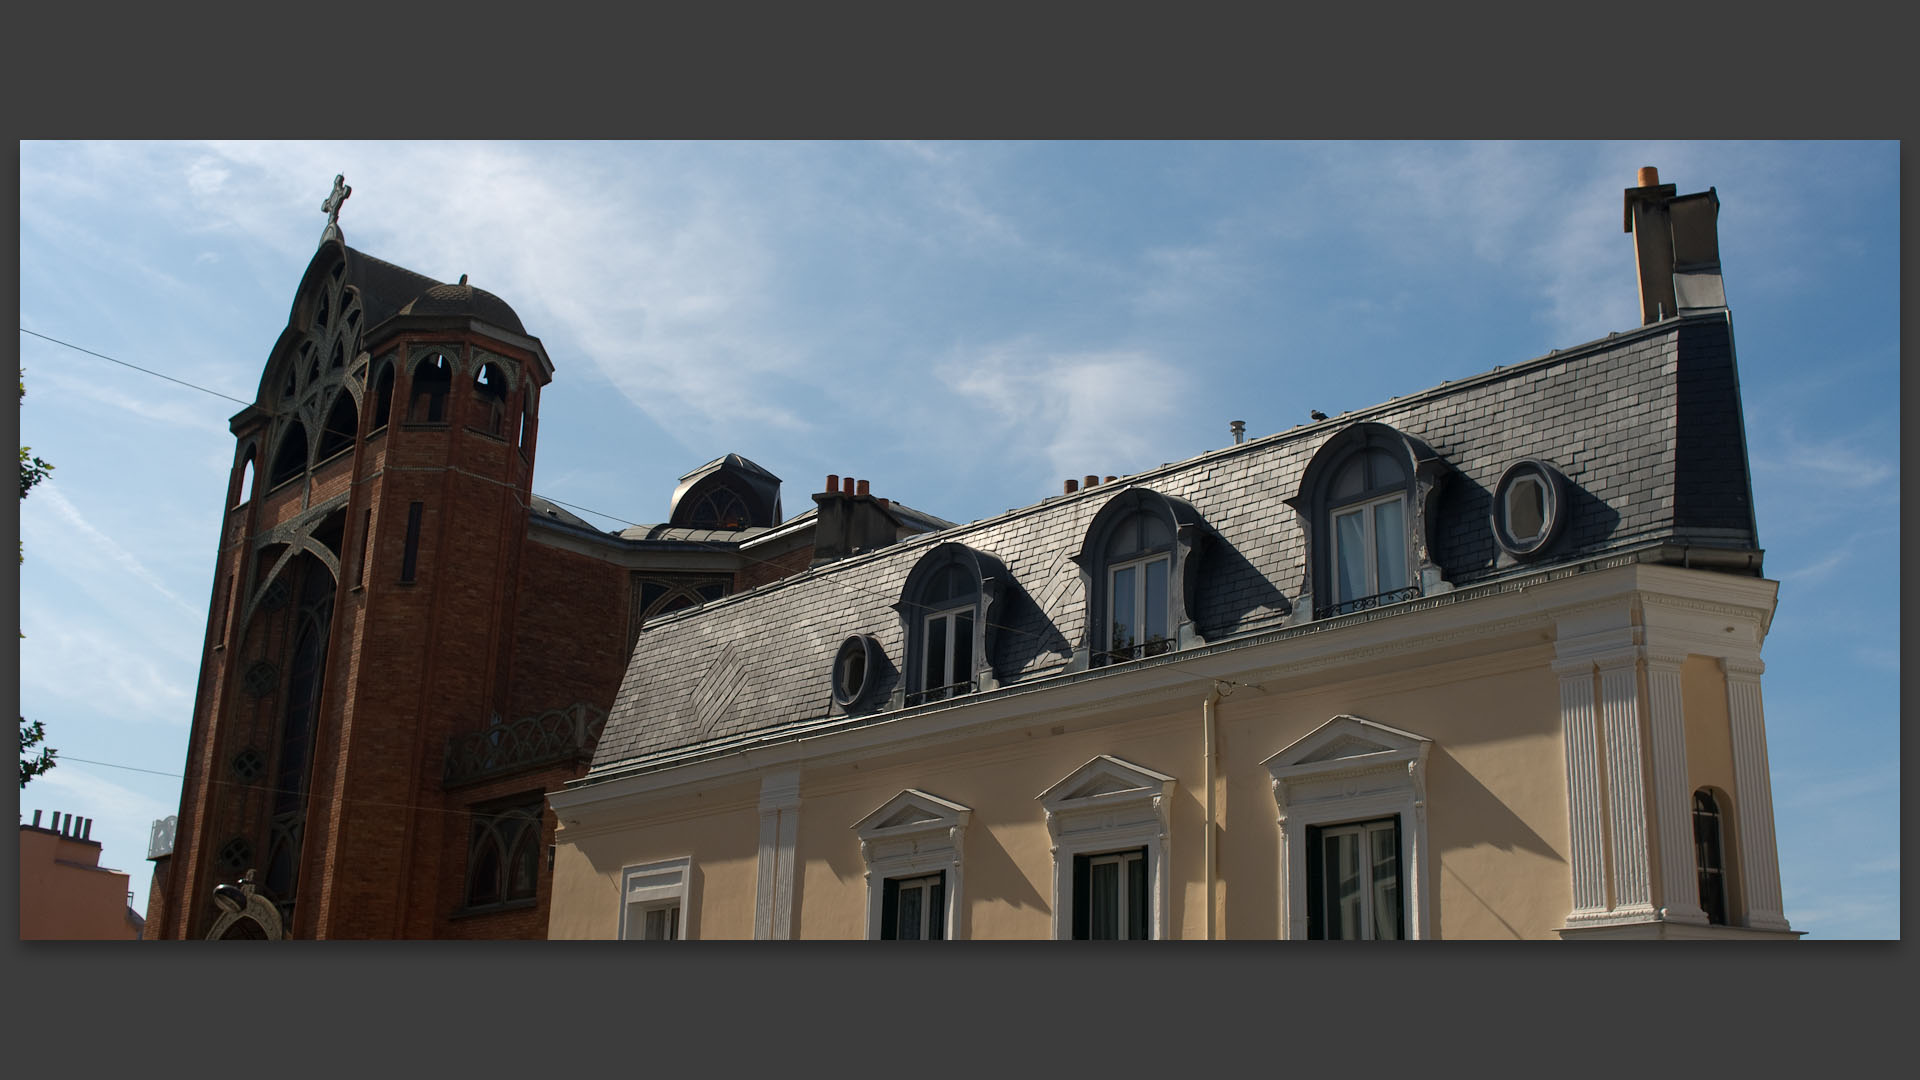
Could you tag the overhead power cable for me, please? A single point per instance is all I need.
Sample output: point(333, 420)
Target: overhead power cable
point(136, 367)
point(732, 550)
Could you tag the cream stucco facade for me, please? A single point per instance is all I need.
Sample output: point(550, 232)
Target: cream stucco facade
point(1547, 703)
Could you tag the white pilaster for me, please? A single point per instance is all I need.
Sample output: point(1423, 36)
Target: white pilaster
point(1626, 785)
point(1585, 813)
point(1755, 854)
point(1672, 793)
point(779, 823)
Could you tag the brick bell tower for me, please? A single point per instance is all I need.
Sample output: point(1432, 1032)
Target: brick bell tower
point(362, 609)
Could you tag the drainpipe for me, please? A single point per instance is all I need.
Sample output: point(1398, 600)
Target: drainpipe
point(1206, 712)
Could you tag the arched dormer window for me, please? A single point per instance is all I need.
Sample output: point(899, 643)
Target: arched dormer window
point(383, 397)
point(1368, 497)
point(720, 507)
point(1710, 858)
point(432, 378)
point(342, 427)
point(291, 459)
point(1137, 565)
point(490, 390)
point(946, 610)
point(727, 493)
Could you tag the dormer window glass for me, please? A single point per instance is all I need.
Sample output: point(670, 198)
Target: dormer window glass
point(1370, 551)
point(1138, 606)
point(953, 596)
point(1139, 566)
point(949, 653)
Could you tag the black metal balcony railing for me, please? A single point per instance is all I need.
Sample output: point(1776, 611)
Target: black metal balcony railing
point(1129, 650)
point(553, 736)
point(940, 693)
point(1344, 607)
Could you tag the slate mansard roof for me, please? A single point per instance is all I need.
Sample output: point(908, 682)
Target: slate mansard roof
point(1645, 426)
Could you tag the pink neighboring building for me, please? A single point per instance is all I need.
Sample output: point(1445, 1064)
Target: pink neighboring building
point(65, 894)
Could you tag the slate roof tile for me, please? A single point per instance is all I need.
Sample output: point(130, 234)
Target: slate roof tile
point(1645, 426)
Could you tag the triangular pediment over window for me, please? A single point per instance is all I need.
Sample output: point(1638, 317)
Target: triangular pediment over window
point(1347, 741)
point(912, 811)
point(1105, 778)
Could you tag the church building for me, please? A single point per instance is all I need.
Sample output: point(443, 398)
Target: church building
point(1481, 661)
point(406, 648)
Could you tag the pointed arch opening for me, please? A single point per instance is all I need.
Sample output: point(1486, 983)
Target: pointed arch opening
point(383, 397)
point(432, 379)
point(244, 479)
point(341, 428)
point(291, 459)
point(490, 390)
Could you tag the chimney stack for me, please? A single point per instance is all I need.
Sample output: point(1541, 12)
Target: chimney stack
point(1676, 245)
point(851, 520)
point(1090, 481)
point(1070, 486)
point(1239, 431)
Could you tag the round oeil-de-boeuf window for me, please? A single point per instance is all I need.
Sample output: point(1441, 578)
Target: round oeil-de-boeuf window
point(855, 670)
point(1529, 508)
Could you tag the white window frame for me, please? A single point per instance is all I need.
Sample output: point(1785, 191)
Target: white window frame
point(1120, 859)
point(946, 688)
point(914, 834)
point(924, 884)
point(1138, 605)
point(1351, 770)
point(1364, 830)
point(1105, 806)
point(1368, 511)
point(653, 886)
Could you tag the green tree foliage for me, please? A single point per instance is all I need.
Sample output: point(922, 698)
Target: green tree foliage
point(32, 471)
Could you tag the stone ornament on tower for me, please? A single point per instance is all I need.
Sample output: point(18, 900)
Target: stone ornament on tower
point(331, 205)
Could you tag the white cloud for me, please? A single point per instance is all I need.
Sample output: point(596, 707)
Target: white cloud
point(98, 662)
point(1085, 411)
point(80, 789)
point(103, 544)
point(170, 406)
point(1830, 463)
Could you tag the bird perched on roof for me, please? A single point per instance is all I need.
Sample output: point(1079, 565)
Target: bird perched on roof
point(1317, 415)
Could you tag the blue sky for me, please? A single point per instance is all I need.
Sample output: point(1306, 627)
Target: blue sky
point(965, 325)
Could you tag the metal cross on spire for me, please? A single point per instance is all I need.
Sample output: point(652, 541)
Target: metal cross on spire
point(333, 201)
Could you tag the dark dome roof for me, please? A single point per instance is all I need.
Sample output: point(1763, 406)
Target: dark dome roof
point(465, 300)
